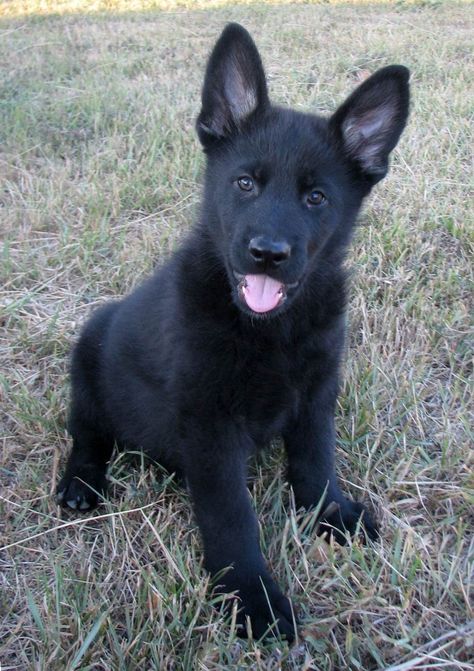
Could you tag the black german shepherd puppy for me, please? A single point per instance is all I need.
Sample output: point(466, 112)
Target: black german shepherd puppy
point(238, 337)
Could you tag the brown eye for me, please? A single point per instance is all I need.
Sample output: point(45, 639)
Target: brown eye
point(316, 198)
point(245, 183)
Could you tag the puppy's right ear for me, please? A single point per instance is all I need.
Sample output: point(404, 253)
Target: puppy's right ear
point(235, 87)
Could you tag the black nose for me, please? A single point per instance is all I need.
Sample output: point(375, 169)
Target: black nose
point(270, 252)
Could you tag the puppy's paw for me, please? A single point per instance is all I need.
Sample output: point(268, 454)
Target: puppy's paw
point(81, 489)
point(264, 611)
point(345, 517)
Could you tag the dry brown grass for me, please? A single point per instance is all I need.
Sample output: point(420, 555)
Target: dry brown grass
point(99, 174)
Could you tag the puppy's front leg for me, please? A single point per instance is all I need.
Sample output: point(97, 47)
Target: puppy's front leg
point(310, 443)
point(216, 474)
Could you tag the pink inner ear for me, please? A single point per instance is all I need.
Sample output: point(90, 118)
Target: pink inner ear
point(365, 133)
point(371, 124)
point(241, 97)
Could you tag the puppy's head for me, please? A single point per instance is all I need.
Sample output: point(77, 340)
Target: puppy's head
point(283, 188)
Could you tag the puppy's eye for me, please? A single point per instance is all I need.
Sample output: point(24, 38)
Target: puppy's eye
point(245, 183)
point(316, 198)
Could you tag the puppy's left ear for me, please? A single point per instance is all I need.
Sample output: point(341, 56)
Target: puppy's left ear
point(234, 88)
point(369, 123)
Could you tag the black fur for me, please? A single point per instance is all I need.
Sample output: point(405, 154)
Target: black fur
point(185, 370)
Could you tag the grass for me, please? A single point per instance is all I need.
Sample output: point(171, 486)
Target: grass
point(99, 175)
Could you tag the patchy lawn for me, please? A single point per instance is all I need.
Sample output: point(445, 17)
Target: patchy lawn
point(99, 180)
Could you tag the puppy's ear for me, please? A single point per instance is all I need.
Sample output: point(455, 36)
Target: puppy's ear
point(369, 123)
point(234, 86)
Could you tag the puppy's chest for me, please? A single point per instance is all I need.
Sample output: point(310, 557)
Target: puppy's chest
point(265, 386)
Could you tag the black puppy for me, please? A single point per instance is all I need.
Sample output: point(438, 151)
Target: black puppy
point(239, 336)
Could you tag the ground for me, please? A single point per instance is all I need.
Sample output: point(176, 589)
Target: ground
point(99, 180)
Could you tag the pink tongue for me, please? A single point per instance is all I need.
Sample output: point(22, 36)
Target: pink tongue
point(261, 293)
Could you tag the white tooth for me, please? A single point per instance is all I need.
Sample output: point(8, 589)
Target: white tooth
point(84, 505)
point(72, 503)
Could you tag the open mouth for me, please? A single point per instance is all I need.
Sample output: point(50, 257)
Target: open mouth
point(261, 293)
